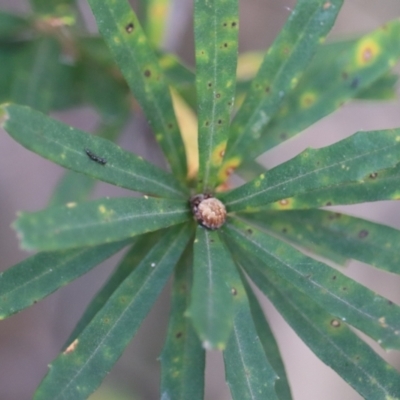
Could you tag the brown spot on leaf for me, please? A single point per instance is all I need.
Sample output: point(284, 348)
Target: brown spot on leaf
point(335, 323)
point(363, 234)
point(233, 24)
point(147, 73)
point(129, 28)
point(249, 231)
point(373, 175)
point(178, 335)
point(218, 95)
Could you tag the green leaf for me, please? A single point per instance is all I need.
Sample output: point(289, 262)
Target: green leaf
point(374, 315)
point(120, 28)
point(155, 14)
point(216, 26)
point(9, 59)
point(280, 71)
point(72, 187)
point(95, 222)
point(212, 301)
point(269, 344)
point(38, 74)
point(347, 236)
point(141, 246)
point(182, 358)
point(38, 276)
point(247, 370)
point(73, 148)
point(79, 370)
point(382, 185)
point(331, 340)
point(350, 159)
point(52, 6)
point(382, 89)
point(341, 71)
point(11, 25)
point(106, 92)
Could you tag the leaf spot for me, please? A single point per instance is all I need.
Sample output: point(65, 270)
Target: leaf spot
point(363, 234)
point(129, 28)
point(335, 323)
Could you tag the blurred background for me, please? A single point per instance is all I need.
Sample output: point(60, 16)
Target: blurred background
point(32, 338)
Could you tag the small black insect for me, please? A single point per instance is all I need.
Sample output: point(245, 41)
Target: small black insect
point(93, 157)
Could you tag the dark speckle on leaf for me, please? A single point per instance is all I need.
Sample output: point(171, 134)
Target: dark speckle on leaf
point(147, 73)
point(178, 335)
point(355, 83)
point(363, 234)
point(129, 28)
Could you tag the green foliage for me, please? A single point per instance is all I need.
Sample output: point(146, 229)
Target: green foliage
point(273, 219)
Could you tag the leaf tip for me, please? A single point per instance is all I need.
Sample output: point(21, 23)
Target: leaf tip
point(24, 245)
point(4, 116)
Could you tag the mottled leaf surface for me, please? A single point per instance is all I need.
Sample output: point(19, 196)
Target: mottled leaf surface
point(69, 147)
point(140, 247)
point(248, 372)
point(333, 232)
point(95, 222)
point(382, 185)
point(212, 302)
point(121, 30)
point(340, 71)
point(38, 276)
point(269, 344)
point(348, 300)
point(284, 63)
point(216, 25)
point(350, 159)
point(183, 357)
point(79, 370)
point(331, 340)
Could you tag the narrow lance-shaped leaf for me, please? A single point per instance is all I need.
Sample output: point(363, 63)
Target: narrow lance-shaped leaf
point(248, 372)
point(341, 71)
point(350, 159)
point(79, 370)
point(40, 275)
point(374, 315)
point(330, 339)
point(121, 29)
point(155, 15)
point(73, 186)
point(216, 25)
point(50, 7)
point(141, 246)
point(382, 185)
point(183, 357)
point(211, 308)
point(37, 76)
point(88, 154)
point(11, 25)
point(335, 233)
point(268, 343)
point(294, 233)
point(95, 222)
point(280, 71)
